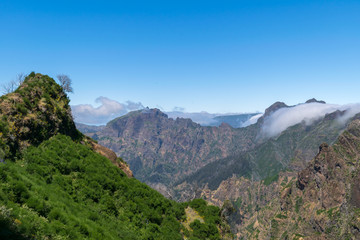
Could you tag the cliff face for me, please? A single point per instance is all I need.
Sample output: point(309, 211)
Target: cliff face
point(179, 157)
point(162, 150)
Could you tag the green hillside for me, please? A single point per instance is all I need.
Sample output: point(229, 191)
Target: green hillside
point(55, 186)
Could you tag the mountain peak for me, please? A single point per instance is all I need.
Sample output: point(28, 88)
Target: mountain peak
point(34, 112)
point(154, 112)
point(274, 107)
point(312, 100)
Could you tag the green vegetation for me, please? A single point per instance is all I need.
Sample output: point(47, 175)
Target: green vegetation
point(211, 215)
point(271, 179)
point(299, 202)
point(34, 112)
point(281, 216)
point(63, 189)
point(54, 186)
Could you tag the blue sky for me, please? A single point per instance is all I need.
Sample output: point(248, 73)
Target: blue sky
point(214, 56)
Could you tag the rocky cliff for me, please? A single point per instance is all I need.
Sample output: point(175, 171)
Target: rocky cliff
point(161, 150)
point(179, 157)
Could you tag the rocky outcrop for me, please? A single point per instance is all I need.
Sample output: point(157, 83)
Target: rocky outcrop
point(34, 112)
point(104, 151)
point(313, 100)
point(274, 107)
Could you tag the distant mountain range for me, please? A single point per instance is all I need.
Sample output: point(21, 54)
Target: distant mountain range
point(242, 170)
point(162, 151)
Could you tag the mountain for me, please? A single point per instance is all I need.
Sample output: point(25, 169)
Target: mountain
point(322, 201)
point(292, 149)
point(161, 150)
point(179, 157)
point(57, 183)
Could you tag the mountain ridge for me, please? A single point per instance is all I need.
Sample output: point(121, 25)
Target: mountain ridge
point(59, 184)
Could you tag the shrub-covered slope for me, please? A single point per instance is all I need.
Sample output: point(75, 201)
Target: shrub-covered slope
point(37, 110)
point(54, 185)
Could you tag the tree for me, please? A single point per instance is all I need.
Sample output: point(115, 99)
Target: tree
point(8, 87)
point(65, 82)
point(11, 86)
point(20, 78)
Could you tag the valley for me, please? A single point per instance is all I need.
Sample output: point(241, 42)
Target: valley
point(241, 170)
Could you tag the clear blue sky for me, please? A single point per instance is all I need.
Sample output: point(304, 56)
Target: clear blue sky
point(215, 56)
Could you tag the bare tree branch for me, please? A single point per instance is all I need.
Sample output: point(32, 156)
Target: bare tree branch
point(8, 87)
point(65, 82)
point(20, 78)
point(11, 86)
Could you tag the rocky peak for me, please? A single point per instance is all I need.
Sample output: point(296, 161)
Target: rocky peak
point(153, 112)
point(313, 100)
point(274, 107)
point(34, 112)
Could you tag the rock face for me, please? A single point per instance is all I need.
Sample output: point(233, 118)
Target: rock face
point(179, 157)
point(291, 150)
point(274, 107)
point(162, 150)
point(112, 156)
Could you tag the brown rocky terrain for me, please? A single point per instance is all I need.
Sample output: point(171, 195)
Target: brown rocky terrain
point(111, 156)
point(179, 157)
point(320, 202)
point(291, 150)
point(161, 150)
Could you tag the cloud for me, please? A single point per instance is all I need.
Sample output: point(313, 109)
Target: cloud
point(178, 109)
point(283, 118)
point(252, 120)
point(108, 110)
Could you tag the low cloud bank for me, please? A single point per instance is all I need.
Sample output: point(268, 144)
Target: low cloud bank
point(283, 118)
point(108, 110)
point(252, 120)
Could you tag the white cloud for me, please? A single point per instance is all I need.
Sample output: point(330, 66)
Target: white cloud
point(307, 113)
point(252, 120)
point(108, 110)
